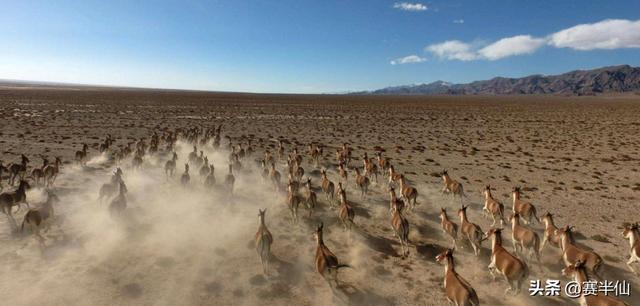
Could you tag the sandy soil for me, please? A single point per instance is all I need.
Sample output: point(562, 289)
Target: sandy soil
point(574, 157)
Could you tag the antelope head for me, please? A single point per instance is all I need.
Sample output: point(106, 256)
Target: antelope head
point(492, 232)
point(442, 257)
point(629, 229)
point(573, 268)
point(318, 233)
point(261, 213)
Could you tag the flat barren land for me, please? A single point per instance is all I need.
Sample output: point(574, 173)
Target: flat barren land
point(576, 158)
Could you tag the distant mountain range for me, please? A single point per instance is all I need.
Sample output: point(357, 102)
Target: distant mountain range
point(606, 80)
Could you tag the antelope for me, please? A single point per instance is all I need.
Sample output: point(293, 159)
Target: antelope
point(299, 173)
point(204, 170)
point(400, 227)
point(343, 172)
point(632, 232)
point(525, 238)
point(280, 150)
point(370, 168)
point(550, 232)
point(265, 170)
point(14, 198)
point(346, 212)
point(492, 207)
point(393, 175)
point(51, 172)
point(210, 181)
point(526, 210)
point(394, 201)
point(448, 226)
point(458, 290)
point(326, 262)
point(362, 182)
point(572, 253)
point(170, 165)
point(407, 192)
point(230, 180)
point(109, 189)
point(579, 274)
point(119, 203)
point(193, 155)
point(275, 176)
point(18, 169)
point(513, 269)
point(452, 186)
point(327, 187)
point(38, 173)
point(310, 197)
point(184, 179)
point(263, 241)
point(383, 162)
point(82, 155)
point(293, 201)
point(470, 230)
point(36, 217)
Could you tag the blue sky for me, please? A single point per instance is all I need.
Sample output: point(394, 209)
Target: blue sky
point(309, 46)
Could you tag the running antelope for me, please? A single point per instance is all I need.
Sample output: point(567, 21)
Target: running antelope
point(18, 170)
point(263, 241)
point(471, 231)
point(40, 216)
point(526, 210)
point(492, 207)
point(550, 232)
point(458, 290)
point(170, 165)
point(184, 179)
point(346, 212)
point(326, 262)
point(110, 189)
point(448, 226)
point(452, 186)
point(275, 177)
point(51, 172)
point(343, 172)
point(394, 201)
point(579, 273)
point(293, 201)
point(632, 232)
point(362, 182)
point(310, 197)
point(119, 203)
point(230, 180)
point(81, 155)
point(400, 227)
point(572, 253)
point(394, 176)
point(513, 269)
point(370, 168)
point(525, 238)
point(383, 162)
point(210, 181)
point(38, 173)
point(14, 198)
point(265, 170)
point(409, 193)
point(327, 187)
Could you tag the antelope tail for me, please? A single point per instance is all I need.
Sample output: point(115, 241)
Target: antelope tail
point(338, 267)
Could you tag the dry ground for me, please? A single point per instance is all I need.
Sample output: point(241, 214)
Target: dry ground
point(574, 157)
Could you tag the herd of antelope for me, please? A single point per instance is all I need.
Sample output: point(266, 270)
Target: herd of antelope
point(285, 175)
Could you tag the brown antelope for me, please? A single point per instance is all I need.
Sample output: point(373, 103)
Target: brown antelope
point(343, 172)
point(492, 207)
point(458, 290)
point(326, 262)
point(38, 173)
point(408, 193)
point(170, 165)
point(346, 212)
point(265, 170)
point(394, 176)
point(370, 168)
point(39, 216)
point(400, 227)
point(327, 187)
point(448, 226)
point(526, 210)
point(452, 186)
point(394, 201)
point(51, 172)
point(275, 177)
point(210, 181)
point(184, 179)
point(525, 239)
point(632, 232)
point(550, 232)
point(81, 155)
point(579, 274)
point(471, 231)
point(263, 241)
point(18, 170)
point(310, 197)
point(9, 199)
point(299, 173)
point(110, 189)
point(383, 162)
point(362, 182)
point(230, 180)
point(513, 269)
point(280, 150)
point(119, 203)
point(572, 253)
point(293, 201)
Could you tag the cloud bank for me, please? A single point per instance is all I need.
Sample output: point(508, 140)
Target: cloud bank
point(411, 59)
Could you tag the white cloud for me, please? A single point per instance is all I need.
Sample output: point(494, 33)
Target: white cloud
point(510, 46)
point(405, 6)
point(458, 21)
point(606, 34)
point(411, 59)
point(453, 50)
